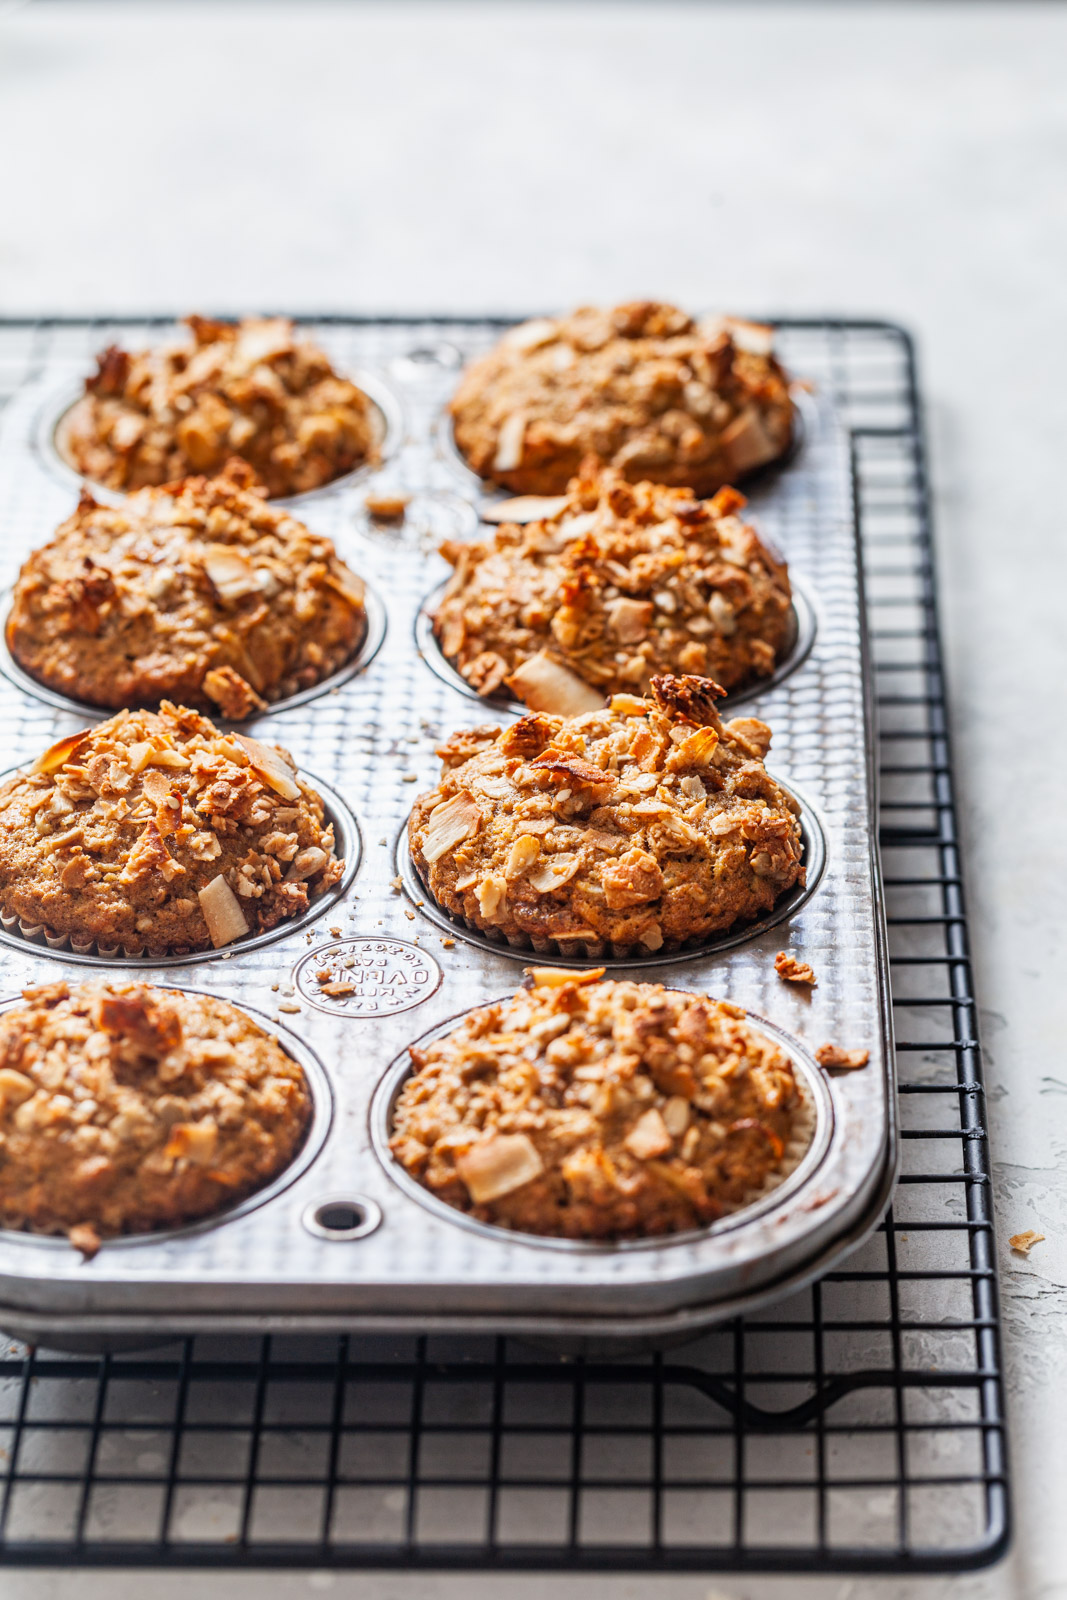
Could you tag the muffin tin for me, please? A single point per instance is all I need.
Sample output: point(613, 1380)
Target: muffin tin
point(341, 1243)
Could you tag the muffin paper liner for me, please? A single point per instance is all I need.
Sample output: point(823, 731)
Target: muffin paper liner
point(808, 1142)
point(801, 638)
point(565, 952)
point(374, 630)
point(348, 844)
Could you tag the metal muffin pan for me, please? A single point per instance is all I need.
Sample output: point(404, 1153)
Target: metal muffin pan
point(348, 844)
point(314, 1139)
point(551, 951)
point(373, 743)
point(55, 409)
point(801, 638)
point(371, 642)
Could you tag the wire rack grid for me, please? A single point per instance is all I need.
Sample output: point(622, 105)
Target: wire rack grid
point(856, 1426)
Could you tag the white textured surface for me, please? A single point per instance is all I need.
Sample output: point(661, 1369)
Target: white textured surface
point(903, 160)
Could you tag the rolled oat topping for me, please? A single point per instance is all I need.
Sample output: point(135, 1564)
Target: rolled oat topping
point(251, 388)
point(200, 592)
point(586, 1109)
point(643, 387)
point(648, 822)
point(156, 831)
point(617, 583)
point(125, 1108)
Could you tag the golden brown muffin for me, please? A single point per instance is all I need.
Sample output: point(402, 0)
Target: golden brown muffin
point(648, 824)
point(125, 1108)
point(199, 592)
point(157, 831)
point(251, 388)
point(642, 387)
point(614, 584)
point(583, 1109)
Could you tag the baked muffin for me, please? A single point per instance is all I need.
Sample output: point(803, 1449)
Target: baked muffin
point(617, 583)
point(584, 1109)
point(199, 592)
point(643, 387)
point(158, 832)
point(646, 824)
point(125, 1108)
point(251, 388)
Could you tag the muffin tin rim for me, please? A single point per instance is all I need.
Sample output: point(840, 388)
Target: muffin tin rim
point(383, 1103)
point(815, 839)
point(60, 400)
point(806, 627)
point(346, 826)
point(374, 633)
point(323, 1116)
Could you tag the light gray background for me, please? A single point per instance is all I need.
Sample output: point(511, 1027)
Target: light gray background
point(906, 160)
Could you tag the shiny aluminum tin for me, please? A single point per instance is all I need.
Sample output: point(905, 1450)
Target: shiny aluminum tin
point(372, 743)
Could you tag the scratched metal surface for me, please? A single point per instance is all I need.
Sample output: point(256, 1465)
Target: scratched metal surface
point(373, 741)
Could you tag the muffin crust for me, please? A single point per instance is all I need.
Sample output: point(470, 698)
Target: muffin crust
point(125, 1108)
point(199, 592)
point(584, 1109)
point(615, 584)
point(251, 388)
point(156, 831)
point(649, 823)
point(642, 387)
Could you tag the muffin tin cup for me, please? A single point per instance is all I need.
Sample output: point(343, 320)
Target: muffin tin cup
point(374, 631)
point(53, 415)
point(801, 638)
point(322, 1113)
point(805, 418)
point(556, 952)
point(801, 1160)
point(348, 844)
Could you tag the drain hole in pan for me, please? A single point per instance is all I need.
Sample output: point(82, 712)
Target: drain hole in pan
point(342, 1217)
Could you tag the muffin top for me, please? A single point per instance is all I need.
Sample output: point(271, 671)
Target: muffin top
point(156, 831)
point(200, 592)
point(615, 583)
point(643, 387)
point(647, 823)
point(250, 388)
point(125, 1108)
point(590, 1109)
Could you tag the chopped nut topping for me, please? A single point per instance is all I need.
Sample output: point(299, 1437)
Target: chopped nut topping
point(793, 971)
point(831, 1055)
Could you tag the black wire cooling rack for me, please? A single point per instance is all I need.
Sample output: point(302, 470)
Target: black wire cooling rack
point(857, 1425)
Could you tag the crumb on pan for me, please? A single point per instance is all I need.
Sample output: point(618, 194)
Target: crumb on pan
point(790, 970)
point(253, 388)
point(620, 582)
point(199, 592)
point(1023, 1243)
point(832, 1055)
point(643, 386)
point(584, 1108)
point(648, 821)
point(387, 507)
point(125, 1108)
point(158, 831)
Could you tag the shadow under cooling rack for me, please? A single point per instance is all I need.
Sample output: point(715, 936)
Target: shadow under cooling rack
point(856, 1426)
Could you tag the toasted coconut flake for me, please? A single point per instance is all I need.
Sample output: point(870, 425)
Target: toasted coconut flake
point(269, 765)
point(509, 443)
point(531, 335)
point(630, 705)
point(753, 732)
point(755, 338)
point(554, 873)
point(222, 913)
point(524, 508)
point(1024, 1242)
point(556, 977)
point(747, 443)
point(523, 853)
point(499, 1164)
point(232, 577)
point(629, 619)
point(544, 685)
point(195, 1142)
point(695, 750)
point(449, 824)
point(58, 754)
point(649, 1136)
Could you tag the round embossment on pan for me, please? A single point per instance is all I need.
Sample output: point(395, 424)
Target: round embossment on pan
point(549, 952)
point(322, 1110)
point(801, 638)
point(53, 415)
point(348, 845)
point(804, 1155)
point(374, 632)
